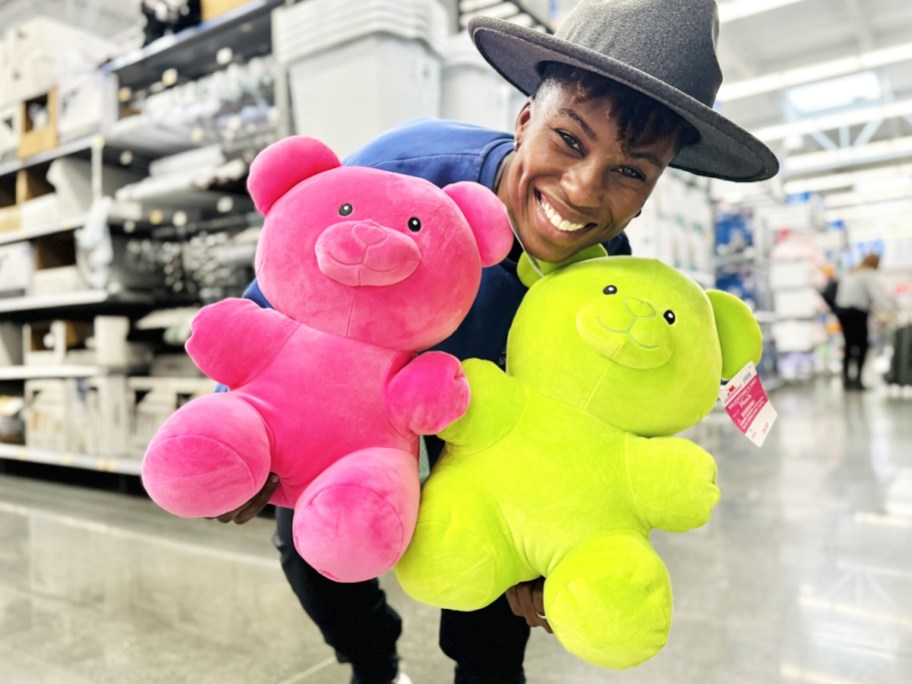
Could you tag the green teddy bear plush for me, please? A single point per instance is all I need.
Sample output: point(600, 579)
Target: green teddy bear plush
point(563, 464)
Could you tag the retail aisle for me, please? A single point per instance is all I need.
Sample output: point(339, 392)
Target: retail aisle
point(804, 574)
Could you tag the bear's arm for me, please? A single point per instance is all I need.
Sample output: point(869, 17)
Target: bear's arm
point(232, 340)
point(496, 403)
point(672, 481)
point(427, 394)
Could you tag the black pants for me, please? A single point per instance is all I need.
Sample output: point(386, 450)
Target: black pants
point(488, 645)
point(854, 323)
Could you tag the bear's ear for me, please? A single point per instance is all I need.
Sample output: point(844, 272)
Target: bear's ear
point(487, 216)
point(284, 164)
point(530, 270)
point(739, 332)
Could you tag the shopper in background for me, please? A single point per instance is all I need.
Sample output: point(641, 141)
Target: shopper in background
point(622, 91)
point(859, 294)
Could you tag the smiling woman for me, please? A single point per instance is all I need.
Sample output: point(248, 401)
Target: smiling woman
point(587, 156)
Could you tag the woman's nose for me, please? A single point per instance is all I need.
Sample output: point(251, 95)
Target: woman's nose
point(582, 184)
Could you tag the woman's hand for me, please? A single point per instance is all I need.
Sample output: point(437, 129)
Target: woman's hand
point(526, 600)
point(252, 508)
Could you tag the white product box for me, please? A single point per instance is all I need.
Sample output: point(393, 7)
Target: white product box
point(51, 407)
point(16, 267)
point(72, 181)
point(87, 104)
point(10, 125)
point(40, 211)
point(107, 402)
point(51, 281)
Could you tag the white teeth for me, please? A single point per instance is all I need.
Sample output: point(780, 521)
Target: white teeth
point(559, 221)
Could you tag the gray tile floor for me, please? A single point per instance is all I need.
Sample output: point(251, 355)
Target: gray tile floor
point(803, 575)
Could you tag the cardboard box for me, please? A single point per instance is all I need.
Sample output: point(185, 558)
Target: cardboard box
point(212, 8)
point(38, 136)
point(53, 342)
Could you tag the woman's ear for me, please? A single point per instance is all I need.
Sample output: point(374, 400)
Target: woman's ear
point(522, 123)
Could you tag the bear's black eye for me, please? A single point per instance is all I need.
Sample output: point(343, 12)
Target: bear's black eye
point(669, 316)
point(414, 224)
point(346, 209)
point(610, 289)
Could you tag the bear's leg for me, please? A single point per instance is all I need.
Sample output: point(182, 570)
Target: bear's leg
point(609, 601)
point(355, 519)
point(209, 457)
point(461, 556)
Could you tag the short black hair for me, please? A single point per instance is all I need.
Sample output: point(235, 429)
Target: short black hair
point(641, 120)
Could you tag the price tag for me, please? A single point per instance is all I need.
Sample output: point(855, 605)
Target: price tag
point(747, 405)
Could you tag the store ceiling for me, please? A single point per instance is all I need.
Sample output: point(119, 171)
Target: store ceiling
point(828, 85)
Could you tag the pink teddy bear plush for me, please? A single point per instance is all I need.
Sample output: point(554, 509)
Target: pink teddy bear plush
point(365, 268)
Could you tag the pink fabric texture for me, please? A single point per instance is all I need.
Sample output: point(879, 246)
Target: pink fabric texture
point(365, 269)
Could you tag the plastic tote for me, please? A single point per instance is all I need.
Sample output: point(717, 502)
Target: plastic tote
point(359, 67)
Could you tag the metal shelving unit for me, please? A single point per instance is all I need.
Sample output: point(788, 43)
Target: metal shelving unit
point(234, 36)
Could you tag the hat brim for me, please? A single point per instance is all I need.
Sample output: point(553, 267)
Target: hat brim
point(724, 150)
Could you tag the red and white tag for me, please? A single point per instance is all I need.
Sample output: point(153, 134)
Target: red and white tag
point(747, 405)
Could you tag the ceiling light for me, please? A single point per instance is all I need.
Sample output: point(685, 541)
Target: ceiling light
point(789, 78)
point(850, 179)
point(738, 9)
point(835, 93)
point(849, 156)
point(831, 122)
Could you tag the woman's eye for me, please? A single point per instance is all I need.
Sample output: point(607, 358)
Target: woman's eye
point(346, 209)
point(414, 224)
point(610, 290)
point(631, 173)
point(571, 142)
point(669, 317)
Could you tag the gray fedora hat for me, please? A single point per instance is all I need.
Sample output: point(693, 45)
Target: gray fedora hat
point(665, 49)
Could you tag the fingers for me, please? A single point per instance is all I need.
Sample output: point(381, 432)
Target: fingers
point(526, 600)
point(252, 508)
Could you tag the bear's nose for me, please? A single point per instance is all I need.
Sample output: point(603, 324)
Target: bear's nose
point(639, 308)
point(369, 233)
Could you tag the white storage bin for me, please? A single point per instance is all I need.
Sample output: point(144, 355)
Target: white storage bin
point(796, 303)
point(794, 336)
point(16, 267)
point(789, 274)
point(470, 88)
point(359, 67)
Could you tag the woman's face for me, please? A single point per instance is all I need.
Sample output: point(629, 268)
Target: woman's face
point(569, 184)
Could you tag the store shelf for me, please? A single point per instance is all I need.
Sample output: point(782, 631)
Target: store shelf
point(192, 52)
point(125, 466)
point(64, 300)
point(21, 234)
point(72, 147)
point(54, 371)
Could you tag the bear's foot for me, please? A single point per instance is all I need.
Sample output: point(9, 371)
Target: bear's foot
point(354, 521)
point(609, 601)
point(209, 457)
